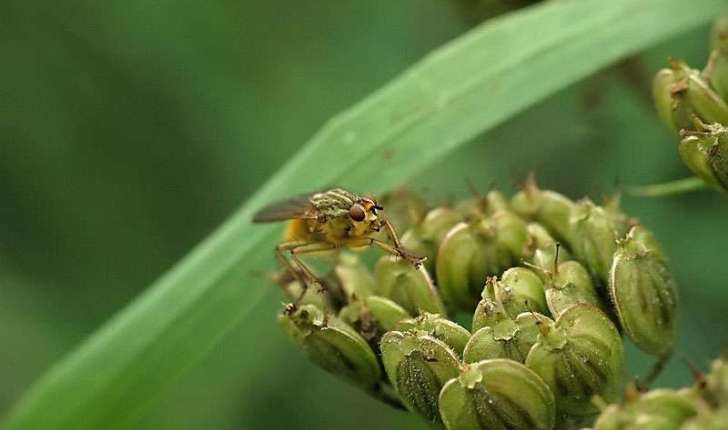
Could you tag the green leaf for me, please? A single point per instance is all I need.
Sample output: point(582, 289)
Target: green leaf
point(459, 91)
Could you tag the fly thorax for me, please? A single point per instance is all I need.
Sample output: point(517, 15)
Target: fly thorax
point(361, 228)
point(334, 230)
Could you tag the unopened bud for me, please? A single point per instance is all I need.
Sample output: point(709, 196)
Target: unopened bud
point(387, 313)
point(549, 208)
point(357, 315)
point(355, 278)
point(404, 207)
point(496, 295)
point(541, 250)
point(472, 252)
point(714, 388)
point(570, 285)
point(717, 69)
point(519, 290)
point(333, 345)
point(482, 206)
point(658, 409)
point(372, 316)
point(717, 72)
point(671, 108)
point(497, 394)
point(681, 93)
point(596, 238)
point(488, 313)
point(418, 365)
point(505, 339)
point(643, 293)
point(716, 420)
point(579, 356)
point(454, 335)
point(708, 105)
point(408, 287)
point(705, 152)
point(424, 238)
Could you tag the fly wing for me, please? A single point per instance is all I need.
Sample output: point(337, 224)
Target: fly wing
point(299, 207)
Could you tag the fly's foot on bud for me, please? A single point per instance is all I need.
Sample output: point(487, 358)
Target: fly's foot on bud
point(289, 309)
point(412, 259)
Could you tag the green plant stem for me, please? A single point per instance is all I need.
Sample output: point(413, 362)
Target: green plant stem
point(680, 186)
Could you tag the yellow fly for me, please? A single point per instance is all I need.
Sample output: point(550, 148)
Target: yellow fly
point(328, 220)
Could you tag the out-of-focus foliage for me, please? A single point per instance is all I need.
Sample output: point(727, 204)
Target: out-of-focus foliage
point(130, 130)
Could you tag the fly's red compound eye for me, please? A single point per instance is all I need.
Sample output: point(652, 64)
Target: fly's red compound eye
point(357, 213)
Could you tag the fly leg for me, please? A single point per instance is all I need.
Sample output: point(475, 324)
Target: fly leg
point(397, 249)
point(297, 273)
point(304, 275)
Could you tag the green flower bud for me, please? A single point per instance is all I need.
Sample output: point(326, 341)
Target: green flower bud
point(713, 387)
point(372, 316)
point(643, 293)
point(482, 206)
point(717, 380)
point(707, 105)
point(467, 256)
point(550, 209)
point(355, 278)
point(710, 395)
point(596, 233)
point(541, 250)
point(705, 152)
point(488, 312)
point(511, 233)
point(497, 394)
point(520, 290)
point(357, 315)
point(570, 285)
point(609, 419)
point(424, 238)
point(454, 335)
point(642, 235)
point(404, 207)
point(334, 346)
point(418, 365)
point(579, 356)
point(671, 107)
point(505, 339)
point(409, 287)
point(717, 69)
point(716, 72)
point(658, 409)
point(472, 252)
point(665, 406)
point(708, 421)
point(612, 206)
point(387, 313)
point(685, 93)
point(719, 34)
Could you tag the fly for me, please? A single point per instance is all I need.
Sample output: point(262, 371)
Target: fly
point(326, 221)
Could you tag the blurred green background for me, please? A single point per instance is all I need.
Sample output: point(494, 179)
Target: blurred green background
point(131, 129)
